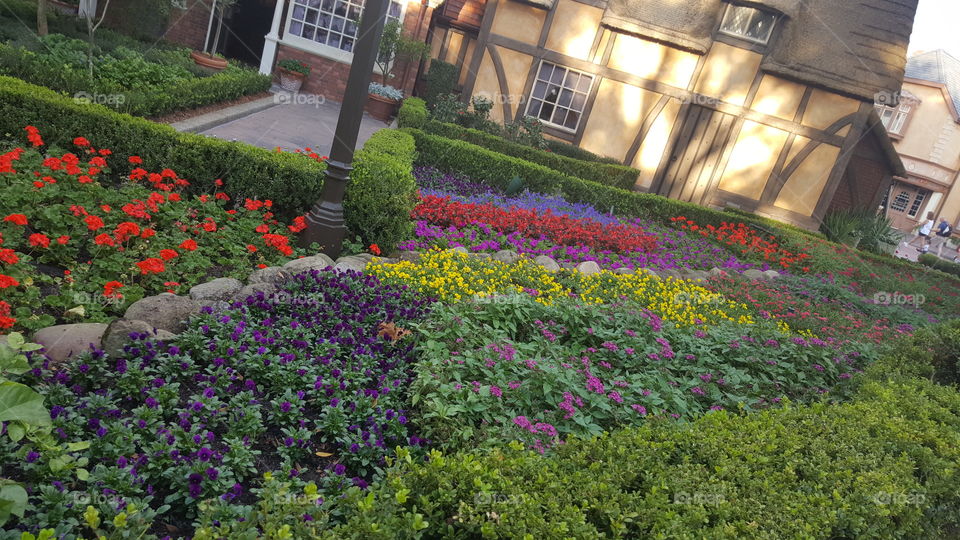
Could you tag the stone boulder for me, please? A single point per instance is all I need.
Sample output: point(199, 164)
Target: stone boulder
point(270, 274)
point(306, 264)
point(352, 262)
point(218, 289)
point(717, 272)
point(771, 274)
point(588, 268)
point(165, 311)
point(548, 263)
point(250, 290)
point(623, 270)
point(64, 341)
point(118, 333)
point(754, 274)
point(506, 256)
point(410, 256)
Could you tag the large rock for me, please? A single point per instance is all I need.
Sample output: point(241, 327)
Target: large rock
point(118, 333)
point(588, 267)
point(771, 274)
point(623, 270)
point(270, 274)
point(548, 263)
point(250, 290)
point(352, 262)
point(717, 272)
point(218, 289)
point(506, 256)
point(165, 311)
point(754, 274)
point(306, 264)
point(62, 342)
point(410, 256)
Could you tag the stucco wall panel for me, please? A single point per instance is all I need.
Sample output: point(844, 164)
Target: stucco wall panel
point(574, 28)
point(488, 85)
point(519, 21)
point(803, 189)
point(728, 73)
point(652, 61)
point(752, 160)
point(654, 145)
point(825, 108)
point(778, 97)
point(617, 116)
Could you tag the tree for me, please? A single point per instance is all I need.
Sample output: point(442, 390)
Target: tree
point(395, 46)
point(42, 28)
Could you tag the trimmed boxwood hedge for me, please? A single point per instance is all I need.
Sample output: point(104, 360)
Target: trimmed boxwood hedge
point(413, 113)
point(291, 181)
point(931, 260)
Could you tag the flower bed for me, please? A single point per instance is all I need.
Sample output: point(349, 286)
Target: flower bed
point(310, 382)
point(82, 235)
point(748, 241)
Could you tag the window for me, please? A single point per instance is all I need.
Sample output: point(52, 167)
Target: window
point(559, 96)
point(895, 118)
point(900, 202)
point(915, 207)
point(332, 22)
point(748, 23)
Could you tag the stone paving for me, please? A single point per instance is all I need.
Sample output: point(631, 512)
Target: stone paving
point(296, 121)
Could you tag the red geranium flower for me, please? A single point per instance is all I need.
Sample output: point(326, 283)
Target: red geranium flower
point(135, 160)
point(147, 233)
point(63, 240)
point(16, 219)
point(9, 256)
point(39, 240)
point(189, 244)
point(251, 248)
point(375, 249)
point(103, 240)
point(93, 222)
point(167, 254)
point(125, 230)
point(151, 266)
point(7, 281)
point(33, 135)
point(110, 289)
point(262, 228)
point(80, 141)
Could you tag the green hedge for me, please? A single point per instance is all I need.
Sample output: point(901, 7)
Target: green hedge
point(231, 83)
point(575, 152)
point(441, 80)
point(613, 175)
point(290, 180)
point(413, 113)
point(382, 190)
point(931, 260)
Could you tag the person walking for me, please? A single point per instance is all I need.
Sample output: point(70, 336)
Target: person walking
point(924, 234)
point(944, 231)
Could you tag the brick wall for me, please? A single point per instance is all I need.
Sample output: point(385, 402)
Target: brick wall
point(329, 77)
point(189, 27)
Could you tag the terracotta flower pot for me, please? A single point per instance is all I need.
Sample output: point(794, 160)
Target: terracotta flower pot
point(291, 81)
point(381, 108)
point(208, 60)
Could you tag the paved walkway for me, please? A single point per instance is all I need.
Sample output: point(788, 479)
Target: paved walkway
point(296, 121)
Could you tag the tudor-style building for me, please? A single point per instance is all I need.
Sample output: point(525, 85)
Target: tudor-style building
point(925, 127)
point(766, 105)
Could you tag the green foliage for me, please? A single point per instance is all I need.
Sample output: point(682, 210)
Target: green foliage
point(413, 113)
point(395, 46)
point(292, 182)
point(861, 228)
point(448, 108)
point(613, 175)
point(441, 81)
point(294, 65)
point(931, 260)
point(575, 152)
point(382, 191)
point(932, 353)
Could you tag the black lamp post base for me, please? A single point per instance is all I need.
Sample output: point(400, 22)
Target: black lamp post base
point(325, 223)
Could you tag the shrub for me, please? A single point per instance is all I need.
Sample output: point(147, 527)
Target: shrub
point(413, 113)
point(291, 181)
point(932, 353)
point(614, 175)
point(881, 467)
point(441, 80)
point(931, 260)
point(382, 191)
point(575, 152)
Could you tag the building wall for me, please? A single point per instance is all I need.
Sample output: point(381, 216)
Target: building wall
point(188, 27)
point(776, 146)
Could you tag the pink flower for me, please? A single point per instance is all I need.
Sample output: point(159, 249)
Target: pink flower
point(496, 391)
point(615, 396)
point(640, 409)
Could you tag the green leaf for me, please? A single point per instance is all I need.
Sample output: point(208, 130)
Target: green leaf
point(21, 403)
point(83, 475)
point(13, 501)
point(15, 431)
point(15, 340)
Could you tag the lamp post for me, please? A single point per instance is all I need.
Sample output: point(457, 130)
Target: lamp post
point(325, 224)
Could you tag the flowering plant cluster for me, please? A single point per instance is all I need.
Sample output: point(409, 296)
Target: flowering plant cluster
point(452, 276)
point(491, 372)
point(745, 239)
point(311, 382)
point(92, 235)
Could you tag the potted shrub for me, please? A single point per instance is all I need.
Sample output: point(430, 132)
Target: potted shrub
point(292, 74)
point(208, 58)
point(383, 101)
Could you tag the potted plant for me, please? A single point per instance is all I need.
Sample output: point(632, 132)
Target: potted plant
point(292, 74)
point(208, 58)
point(383, 101)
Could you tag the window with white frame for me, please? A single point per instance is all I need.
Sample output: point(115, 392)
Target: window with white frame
point(559, 96)
point(748, 23)
point(333, 23)
point(895, 118)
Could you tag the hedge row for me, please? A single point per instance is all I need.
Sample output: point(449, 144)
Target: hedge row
point(231, 83)
point(886, 465)
point(291, 181)
point(382, 190)
point(931, 260)
point(604, 173)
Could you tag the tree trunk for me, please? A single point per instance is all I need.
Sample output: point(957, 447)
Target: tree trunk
point(42, 29)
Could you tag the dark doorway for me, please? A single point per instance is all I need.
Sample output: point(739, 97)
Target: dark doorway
point(695, 157)
point(248, 23)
